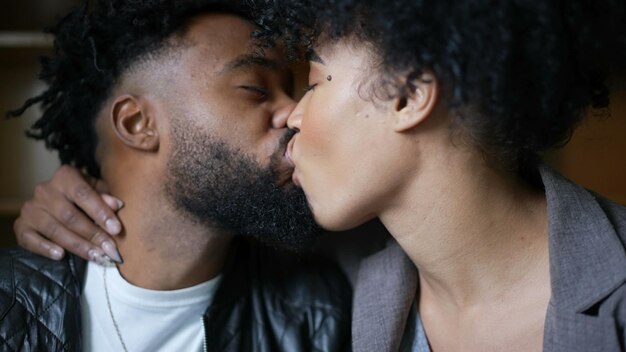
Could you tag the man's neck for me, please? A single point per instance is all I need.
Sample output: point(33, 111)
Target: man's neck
point(164, 249)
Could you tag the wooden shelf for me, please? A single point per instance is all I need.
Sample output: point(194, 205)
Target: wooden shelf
point(10, 206)
point(25, 39)
point(33, 14)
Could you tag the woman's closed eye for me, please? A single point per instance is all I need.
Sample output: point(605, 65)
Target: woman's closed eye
point(309, 88)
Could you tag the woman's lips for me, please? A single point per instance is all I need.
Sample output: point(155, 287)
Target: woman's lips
point(295, 180)
point(285, 172)
point(289, 157)
point(289, 152)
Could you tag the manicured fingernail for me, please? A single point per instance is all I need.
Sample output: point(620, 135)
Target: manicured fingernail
point(113, 202)
point(113, 226)
point(111, 251)
point(106, 261)
point(56, 253)
point(96, 256)
point(110, 201)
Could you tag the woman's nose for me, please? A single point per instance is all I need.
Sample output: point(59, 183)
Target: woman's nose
point(295, 119)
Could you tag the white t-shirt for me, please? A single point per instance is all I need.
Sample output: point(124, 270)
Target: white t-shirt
point(148, 320)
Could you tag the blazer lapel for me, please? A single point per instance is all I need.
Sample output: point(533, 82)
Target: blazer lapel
point(571, 332)
point(384, 293)
point(586, 265)
point(586, 255)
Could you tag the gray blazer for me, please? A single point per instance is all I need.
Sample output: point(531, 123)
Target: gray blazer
point(587, 310)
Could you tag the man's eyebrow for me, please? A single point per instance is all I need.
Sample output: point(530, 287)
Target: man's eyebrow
point(311, 55)
point(247, 61)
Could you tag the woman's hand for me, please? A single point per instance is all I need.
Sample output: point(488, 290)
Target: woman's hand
point(68, 213)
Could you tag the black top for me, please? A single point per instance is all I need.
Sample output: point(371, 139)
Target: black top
point(267, 301)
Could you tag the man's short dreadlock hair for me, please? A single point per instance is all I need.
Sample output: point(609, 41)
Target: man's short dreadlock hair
point(526, 69)
point(94, 46)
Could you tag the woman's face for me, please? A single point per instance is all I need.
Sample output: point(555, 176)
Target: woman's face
point(345, 155)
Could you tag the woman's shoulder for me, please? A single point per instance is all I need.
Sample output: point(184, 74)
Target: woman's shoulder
point(587, 235)
point(616, 214)
point(582, 209)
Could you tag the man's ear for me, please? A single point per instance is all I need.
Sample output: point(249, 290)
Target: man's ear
point(417, 103)
point(134, 124)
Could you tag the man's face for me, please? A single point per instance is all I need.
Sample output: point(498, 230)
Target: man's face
point(227, 110)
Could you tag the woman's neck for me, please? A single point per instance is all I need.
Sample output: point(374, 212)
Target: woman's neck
point(475, 234)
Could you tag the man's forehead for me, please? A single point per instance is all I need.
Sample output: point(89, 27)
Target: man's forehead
point(220, 23)
point(226, 41)
point(251, 60)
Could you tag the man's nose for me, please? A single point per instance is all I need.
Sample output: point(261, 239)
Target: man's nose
point(279, 120)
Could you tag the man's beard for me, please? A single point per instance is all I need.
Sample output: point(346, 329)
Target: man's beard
point(224, 188)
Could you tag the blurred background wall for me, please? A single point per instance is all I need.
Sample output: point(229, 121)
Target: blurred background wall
point(23, 162)
point(596, 155)
point(593, 158)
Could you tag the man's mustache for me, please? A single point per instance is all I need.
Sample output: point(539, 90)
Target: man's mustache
point(286, 138)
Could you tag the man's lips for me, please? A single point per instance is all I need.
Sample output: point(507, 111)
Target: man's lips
point(284, 167)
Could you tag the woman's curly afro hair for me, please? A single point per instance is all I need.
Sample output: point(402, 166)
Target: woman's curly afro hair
point(94, 46)
point(519, 73)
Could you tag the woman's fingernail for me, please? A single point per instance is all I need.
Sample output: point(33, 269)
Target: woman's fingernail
point(106, 261)
point(113, 202)
point(111, 251)
point(113, 226)
point(56, 253)
point(96, 256)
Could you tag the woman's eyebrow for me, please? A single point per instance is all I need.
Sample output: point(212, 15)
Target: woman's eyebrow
point(312, 56)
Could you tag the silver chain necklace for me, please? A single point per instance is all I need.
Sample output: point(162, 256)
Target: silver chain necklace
point(106, 294)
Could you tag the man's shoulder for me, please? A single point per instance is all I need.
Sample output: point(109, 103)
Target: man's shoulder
point(24, 270)
point(303, 279)
point(297, 301)
point(39, 301)
point(25, 258)
point(27, 276)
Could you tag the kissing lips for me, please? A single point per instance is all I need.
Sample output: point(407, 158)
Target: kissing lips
point(295, 180)
point(289, 152)
point(289, 157)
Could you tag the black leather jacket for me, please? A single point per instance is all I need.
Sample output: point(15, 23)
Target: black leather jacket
point(267, 301)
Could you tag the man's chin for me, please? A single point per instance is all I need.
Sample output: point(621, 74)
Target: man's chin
point(223, 186)
point(288, 186)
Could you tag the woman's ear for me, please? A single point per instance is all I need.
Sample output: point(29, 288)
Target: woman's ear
point(417, 103)
point(134, 124)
